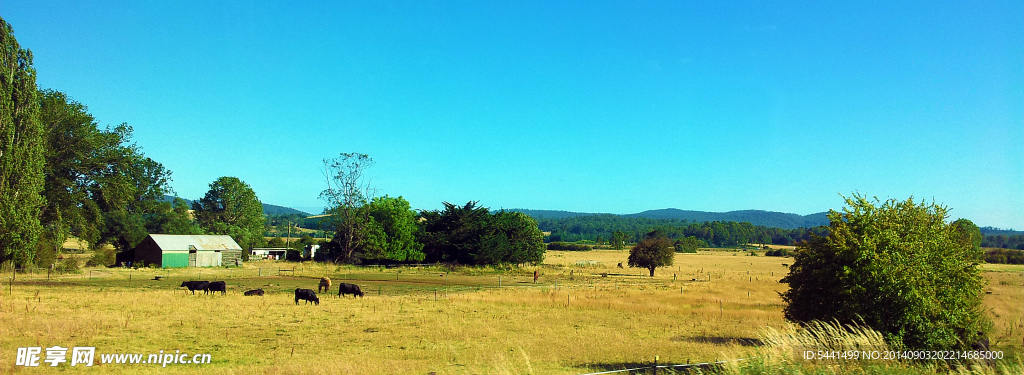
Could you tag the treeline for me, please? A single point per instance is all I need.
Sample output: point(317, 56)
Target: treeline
point(62, 175)
point(1003, 241)
point(604, 228)
point(387, 230)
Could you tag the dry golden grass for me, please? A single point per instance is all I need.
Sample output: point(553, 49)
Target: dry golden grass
point(424, 319)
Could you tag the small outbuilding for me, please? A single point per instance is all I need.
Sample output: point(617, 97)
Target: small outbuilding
point(175, 251)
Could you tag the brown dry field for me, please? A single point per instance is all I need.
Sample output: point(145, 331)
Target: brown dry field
point(584, 314)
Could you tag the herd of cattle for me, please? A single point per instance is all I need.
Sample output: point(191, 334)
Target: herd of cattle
point(307, 295)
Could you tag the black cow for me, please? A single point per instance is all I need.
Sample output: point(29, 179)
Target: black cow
point(346, 288)
point(307, 295)
point(193, 286)
point(217, 286)
point(254, 292)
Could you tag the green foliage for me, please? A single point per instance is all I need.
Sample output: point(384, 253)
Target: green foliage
point(566, 246)
point(777, 253)
point(1004, 256)
point(102, 256)
point(625, 229)
point(471, 235)
point(275, 242)
point(651, 253)
point(689, 244)
point(618, 240)
point(230, 207)
point(172, 218)
point(392, 231)
point(21, 152)
point(98, 186)
point(896, 267)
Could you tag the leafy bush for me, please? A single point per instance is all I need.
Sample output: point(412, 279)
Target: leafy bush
point(897, 267)
point(68, 265)
point(568, 246)
point(103, 256)
point(777, 253)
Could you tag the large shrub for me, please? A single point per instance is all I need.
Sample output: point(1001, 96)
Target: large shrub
point(896, 266)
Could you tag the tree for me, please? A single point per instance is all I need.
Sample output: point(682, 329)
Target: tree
point(345, 195)
point(688, 244)
point(652, 252)
point(513, 238)
point(392, 231)
point(895, 266)
point(454, 235)
point(230, 207)
point(618, 240)
point(21, 152)
point(130, 187)
point(172, 218)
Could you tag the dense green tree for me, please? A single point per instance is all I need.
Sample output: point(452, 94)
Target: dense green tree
point(688, 244)
point(618, 240)
point(512, 238)
point(651, 252)
point(130, 189)
point(172, 218)
point(74, 157)
point(21, 152)
point(453, 235)
point(470, 234)
point(967, 233)
point(897, 267)
point(231, 207)
point(392, 231)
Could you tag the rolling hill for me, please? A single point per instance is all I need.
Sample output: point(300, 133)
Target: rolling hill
point(268, 209)
point(756, 217)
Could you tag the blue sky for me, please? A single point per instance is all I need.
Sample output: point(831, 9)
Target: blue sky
point(609, 107)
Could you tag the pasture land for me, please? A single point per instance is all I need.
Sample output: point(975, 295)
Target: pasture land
point(584, 314)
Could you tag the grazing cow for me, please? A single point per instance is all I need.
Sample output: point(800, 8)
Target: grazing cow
point(307, 295)
point(193, 286)
point(254, 292)
point(217, 286)
point(620, 264)
point(346, 288)
point(325, 285)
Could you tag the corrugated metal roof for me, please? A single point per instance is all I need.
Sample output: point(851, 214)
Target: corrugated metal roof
point(197, 242)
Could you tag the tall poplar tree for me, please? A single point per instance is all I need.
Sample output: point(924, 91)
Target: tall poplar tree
point(21, 152)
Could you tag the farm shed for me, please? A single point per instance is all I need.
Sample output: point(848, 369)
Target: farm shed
point(173, 251)
point(270, 252)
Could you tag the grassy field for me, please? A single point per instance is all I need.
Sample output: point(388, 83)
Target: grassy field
point(583, 314)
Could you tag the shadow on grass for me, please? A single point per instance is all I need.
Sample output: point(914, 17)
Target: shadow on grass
point(721, 341)
point(648, 368)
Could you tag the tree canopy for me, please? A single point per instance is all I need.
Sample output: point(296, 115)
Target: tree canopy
point(652, 252)
point(392, 231)
point(896, 266)
point(469, 234)
point(230, 207)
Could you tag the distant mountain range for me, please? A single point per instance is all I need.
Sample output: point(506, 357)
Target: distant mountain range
point(756, 217)
point(268, 209)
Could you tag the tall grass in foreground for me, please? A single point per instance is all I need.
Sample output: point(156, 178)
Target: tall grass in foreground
point(784, 353)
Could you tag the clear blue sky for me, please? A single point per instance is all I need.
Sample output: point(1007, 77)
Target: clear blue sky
point(583, 106)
